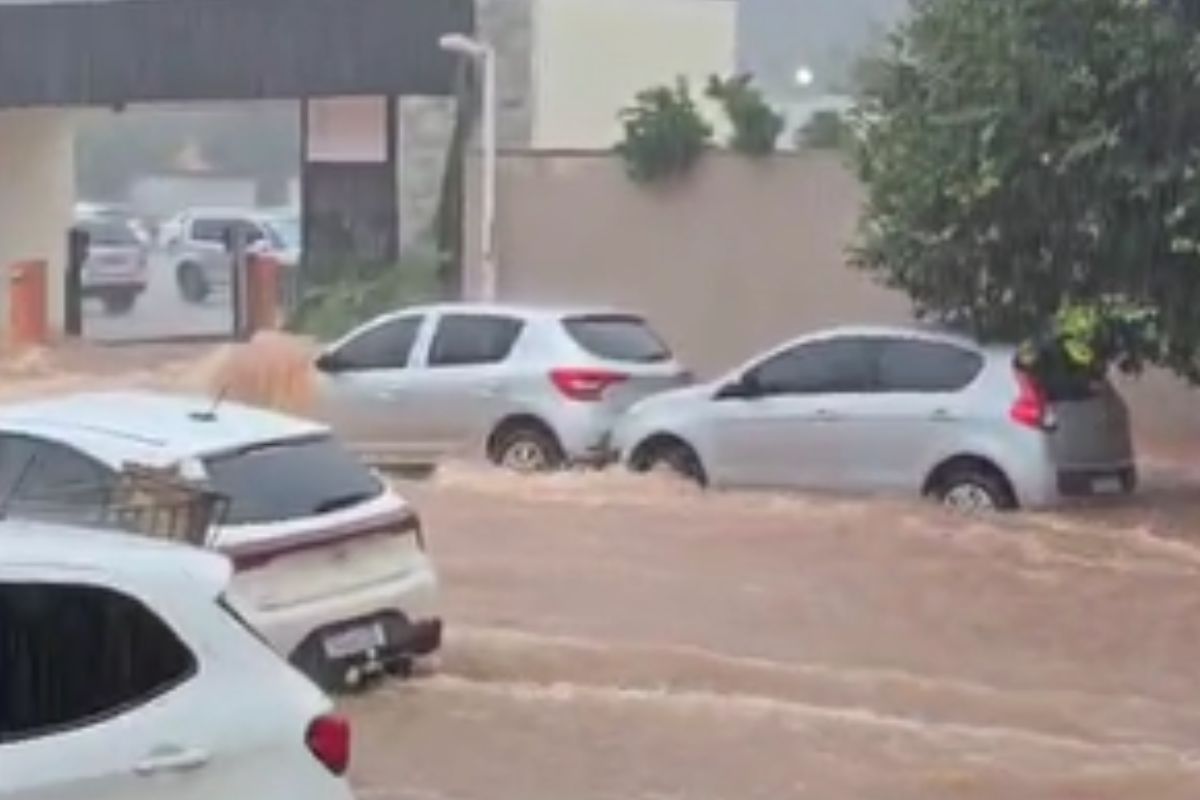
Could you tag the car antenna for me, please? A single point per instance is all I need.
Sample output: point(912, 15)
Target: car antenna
point(210, 414)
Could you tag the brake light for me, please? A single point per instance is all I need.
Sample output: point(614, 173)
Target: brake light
point(328, 739)
point(585, 385)
point(1030, 408)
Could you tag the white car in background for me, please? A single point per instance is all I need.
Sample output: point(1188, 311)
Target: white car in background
point(115, 270)
point(126, 674)
point(330, 561)
point(197, 246)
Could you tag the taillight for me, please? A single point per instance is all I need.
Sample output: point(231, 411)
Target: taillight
point(328, 739)
point(585, 385)
point(1031, 407)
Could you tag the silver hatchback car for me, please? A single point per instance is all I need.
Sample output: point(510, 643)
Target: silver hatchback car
point(891, 409)
point(533, 388)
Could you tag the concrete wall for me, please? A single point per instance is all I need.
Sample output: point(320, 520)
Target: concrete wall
point(738, 257)
point(591, 57)
point(37, 187)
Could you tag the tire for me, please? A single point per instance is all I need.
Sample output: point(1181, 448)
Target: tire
point(673, 456)
point(192, 283)
point(526, 449)
point(119, 303)
point(974, 490)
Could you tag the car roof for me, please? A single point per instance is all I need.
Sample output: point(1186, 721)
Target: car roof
point(117, 426)
point(38, 546)
point(913, 330)
point(525, 310)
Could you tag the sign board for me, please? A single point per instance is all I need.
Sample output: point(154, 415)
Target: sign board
point(347, 130)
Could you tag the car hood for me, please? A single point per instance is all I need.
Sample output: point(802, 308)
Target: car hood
point(673, 398)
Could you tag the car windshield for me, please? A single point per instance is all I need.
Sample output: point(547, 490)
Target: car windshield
point(617, 337)
point(290, 480)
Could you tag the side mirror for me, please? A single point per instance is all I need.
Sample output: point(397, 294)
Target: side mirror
point(746, 387)
point(329, 362)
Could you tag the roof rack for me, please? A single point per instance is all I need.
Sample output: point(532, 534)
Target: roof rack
point(142, 500)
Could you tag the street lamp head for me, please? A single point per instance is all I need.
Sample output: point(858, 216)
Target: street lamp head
point(463, 45)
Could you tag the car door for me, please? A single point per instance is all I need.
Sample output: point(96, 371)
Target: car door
point(208, 245)
point(784, 429)
point(99, 697)
point(892, 435)
point(465, 382)
point(365, 390)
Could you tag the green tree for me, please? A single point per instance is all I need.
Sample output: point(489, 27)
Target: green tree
point(1026, 157)
point(664, 133)
point(825, 130)
point(756, 126)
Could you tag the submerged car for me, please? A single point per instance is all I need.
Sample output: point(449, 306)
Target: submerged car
point(331, 562)
point(533, 388)
point(891, 410)
point(128, 673)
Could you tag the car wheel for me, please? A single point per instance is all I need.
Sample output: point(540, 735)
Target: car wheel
point(117, 303)
point(974, 490)
point(192, 283)
point(527, 449)
point(674, 457)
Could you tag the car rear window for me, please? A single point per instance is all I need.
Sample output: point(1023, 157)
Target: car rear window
point(110, 233)
point(617, 337)
point(290, 480)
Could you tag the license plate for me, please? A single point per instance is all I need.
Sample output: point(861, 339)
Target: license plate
point(1109, 485)
point(355, 641)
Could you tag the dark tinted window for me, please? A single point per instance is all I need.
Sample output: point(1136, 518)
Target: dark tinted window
point(464, 339)
point(911, 365)
point(46, 480)
point(388, 346)
point(619, 338)
point(74, 655)
point(110, 233)
point(291, 480)
point(832, 366)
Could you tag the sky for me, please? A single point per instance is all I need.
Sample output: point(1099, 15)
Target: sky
point(776, 37)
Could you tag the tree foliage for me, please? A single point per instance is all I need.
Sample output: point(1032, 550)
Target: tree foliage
point(1029, 156)
point(664, 133)
point(825, 130)
point(756, 126)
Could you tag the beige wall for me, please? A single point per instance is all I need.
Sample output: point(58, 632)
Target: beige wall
point(738, 257)
point(37, 188)
point(591, 57)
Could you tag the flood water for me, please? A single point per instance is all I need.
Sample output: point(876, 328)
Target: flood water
point(613, 638)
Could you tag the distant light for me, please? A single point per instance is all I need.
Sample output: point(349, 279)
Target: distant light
point(805, 77)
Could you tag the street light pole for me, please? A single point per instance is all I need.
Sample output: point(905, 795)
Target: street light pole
point(485, 57)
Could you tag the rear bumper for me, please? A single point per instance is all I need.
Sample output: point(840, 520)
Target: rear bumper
point(1120, 480)
point(413, 597)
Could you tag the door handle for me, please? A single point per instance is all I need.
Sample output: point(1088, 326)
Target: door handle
point(825, 415)
point(171, 760)
point(942, 415)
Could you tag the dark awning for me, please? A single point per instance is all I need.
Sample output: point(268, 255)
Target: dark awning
point(107, 52)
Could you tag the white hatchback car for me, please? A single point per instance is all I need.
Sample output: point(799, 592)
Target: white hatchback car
point(330, 560)
point(126, 674)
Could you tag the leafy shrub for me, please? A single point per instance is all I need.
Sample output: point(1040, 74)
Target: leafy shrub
point(756, 126)
point(664, 133)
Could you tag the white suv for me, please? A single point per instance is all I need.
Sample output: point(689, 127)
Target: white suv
point(331, 561)
point(125, 674)
point(197, 245)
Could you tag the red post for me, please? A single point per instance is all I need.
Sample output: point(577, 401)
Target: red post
point(262, 288)
point(27, 309)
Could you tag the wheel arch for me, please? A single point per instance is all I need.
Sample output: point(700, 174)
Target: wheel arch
point(517, 421)
point(967, 460)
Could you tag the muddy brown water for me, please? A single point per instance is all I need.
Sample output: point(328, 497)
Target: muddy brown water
point(613, 638)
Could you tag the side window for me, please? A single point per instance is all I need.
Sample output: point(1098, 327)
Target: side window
point(386, 346)
point(72, 656)
point(834, 366)
point(912, 365)
point(466, 339)
point(46, 480)
point(209, 230)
